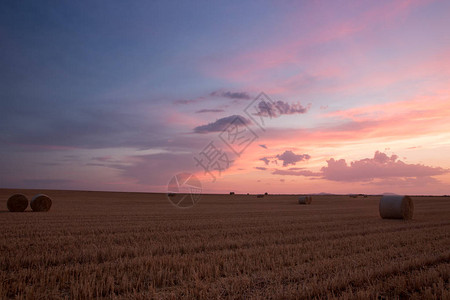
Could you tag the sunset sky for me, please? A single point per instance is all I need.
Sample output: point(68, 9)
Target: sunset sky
point(121, 96)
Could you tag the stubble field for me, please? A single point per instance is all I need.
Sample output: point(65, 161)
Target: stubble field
point(139, 246)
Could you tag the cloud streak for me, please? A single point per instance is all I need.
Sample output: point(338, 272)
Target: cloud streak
point(222, 124)
point(232, 95)
point(306, 173)
point(202, 111)
point(278, 108)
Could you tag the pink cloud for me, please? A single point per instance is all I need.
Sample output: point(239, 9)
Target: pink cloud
point(380, 166)
point(381, 170)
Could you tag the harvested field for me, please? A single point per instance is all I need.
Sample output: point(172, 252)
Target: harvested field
point(139, 246)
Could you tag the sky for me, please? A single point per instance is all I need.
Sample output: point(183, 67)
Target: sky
point(249, 96)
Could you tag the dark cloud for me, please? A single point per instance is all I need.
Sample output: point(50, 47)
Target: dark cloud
point(209, 111)
point(219, 93)
point(221, 124)
point(103, 158)
point(381, 166)
point(260, 168)
point(263, 146)
point(106, 165)
point(232, 95)
point(188, 101)
point(278, 108)
point(266, 160)
point(287, 157)
point(71, 158)
point(290, 158)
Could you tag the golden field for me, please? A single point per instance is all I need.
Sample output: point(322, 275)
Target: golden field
point(139, 246)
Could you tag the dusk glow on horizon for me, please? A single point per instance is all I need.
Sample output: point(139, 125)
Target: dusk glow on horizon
point(122, 96)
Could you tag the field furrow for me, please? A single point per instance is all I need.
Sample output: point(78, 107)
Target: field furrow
point(138, 246)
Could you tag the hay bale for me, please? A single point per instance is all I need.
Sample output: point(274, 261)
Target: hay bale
point(304, 200)
point(396, 207)
point(266, 193)
point(231, 193)
point(41, 202)
point(17, 203)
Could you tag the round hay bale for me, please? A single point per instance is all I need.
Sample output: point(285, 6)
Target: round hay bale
point(396, 207)
point(17, 203)
point(304, 200)
point(41, 202)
